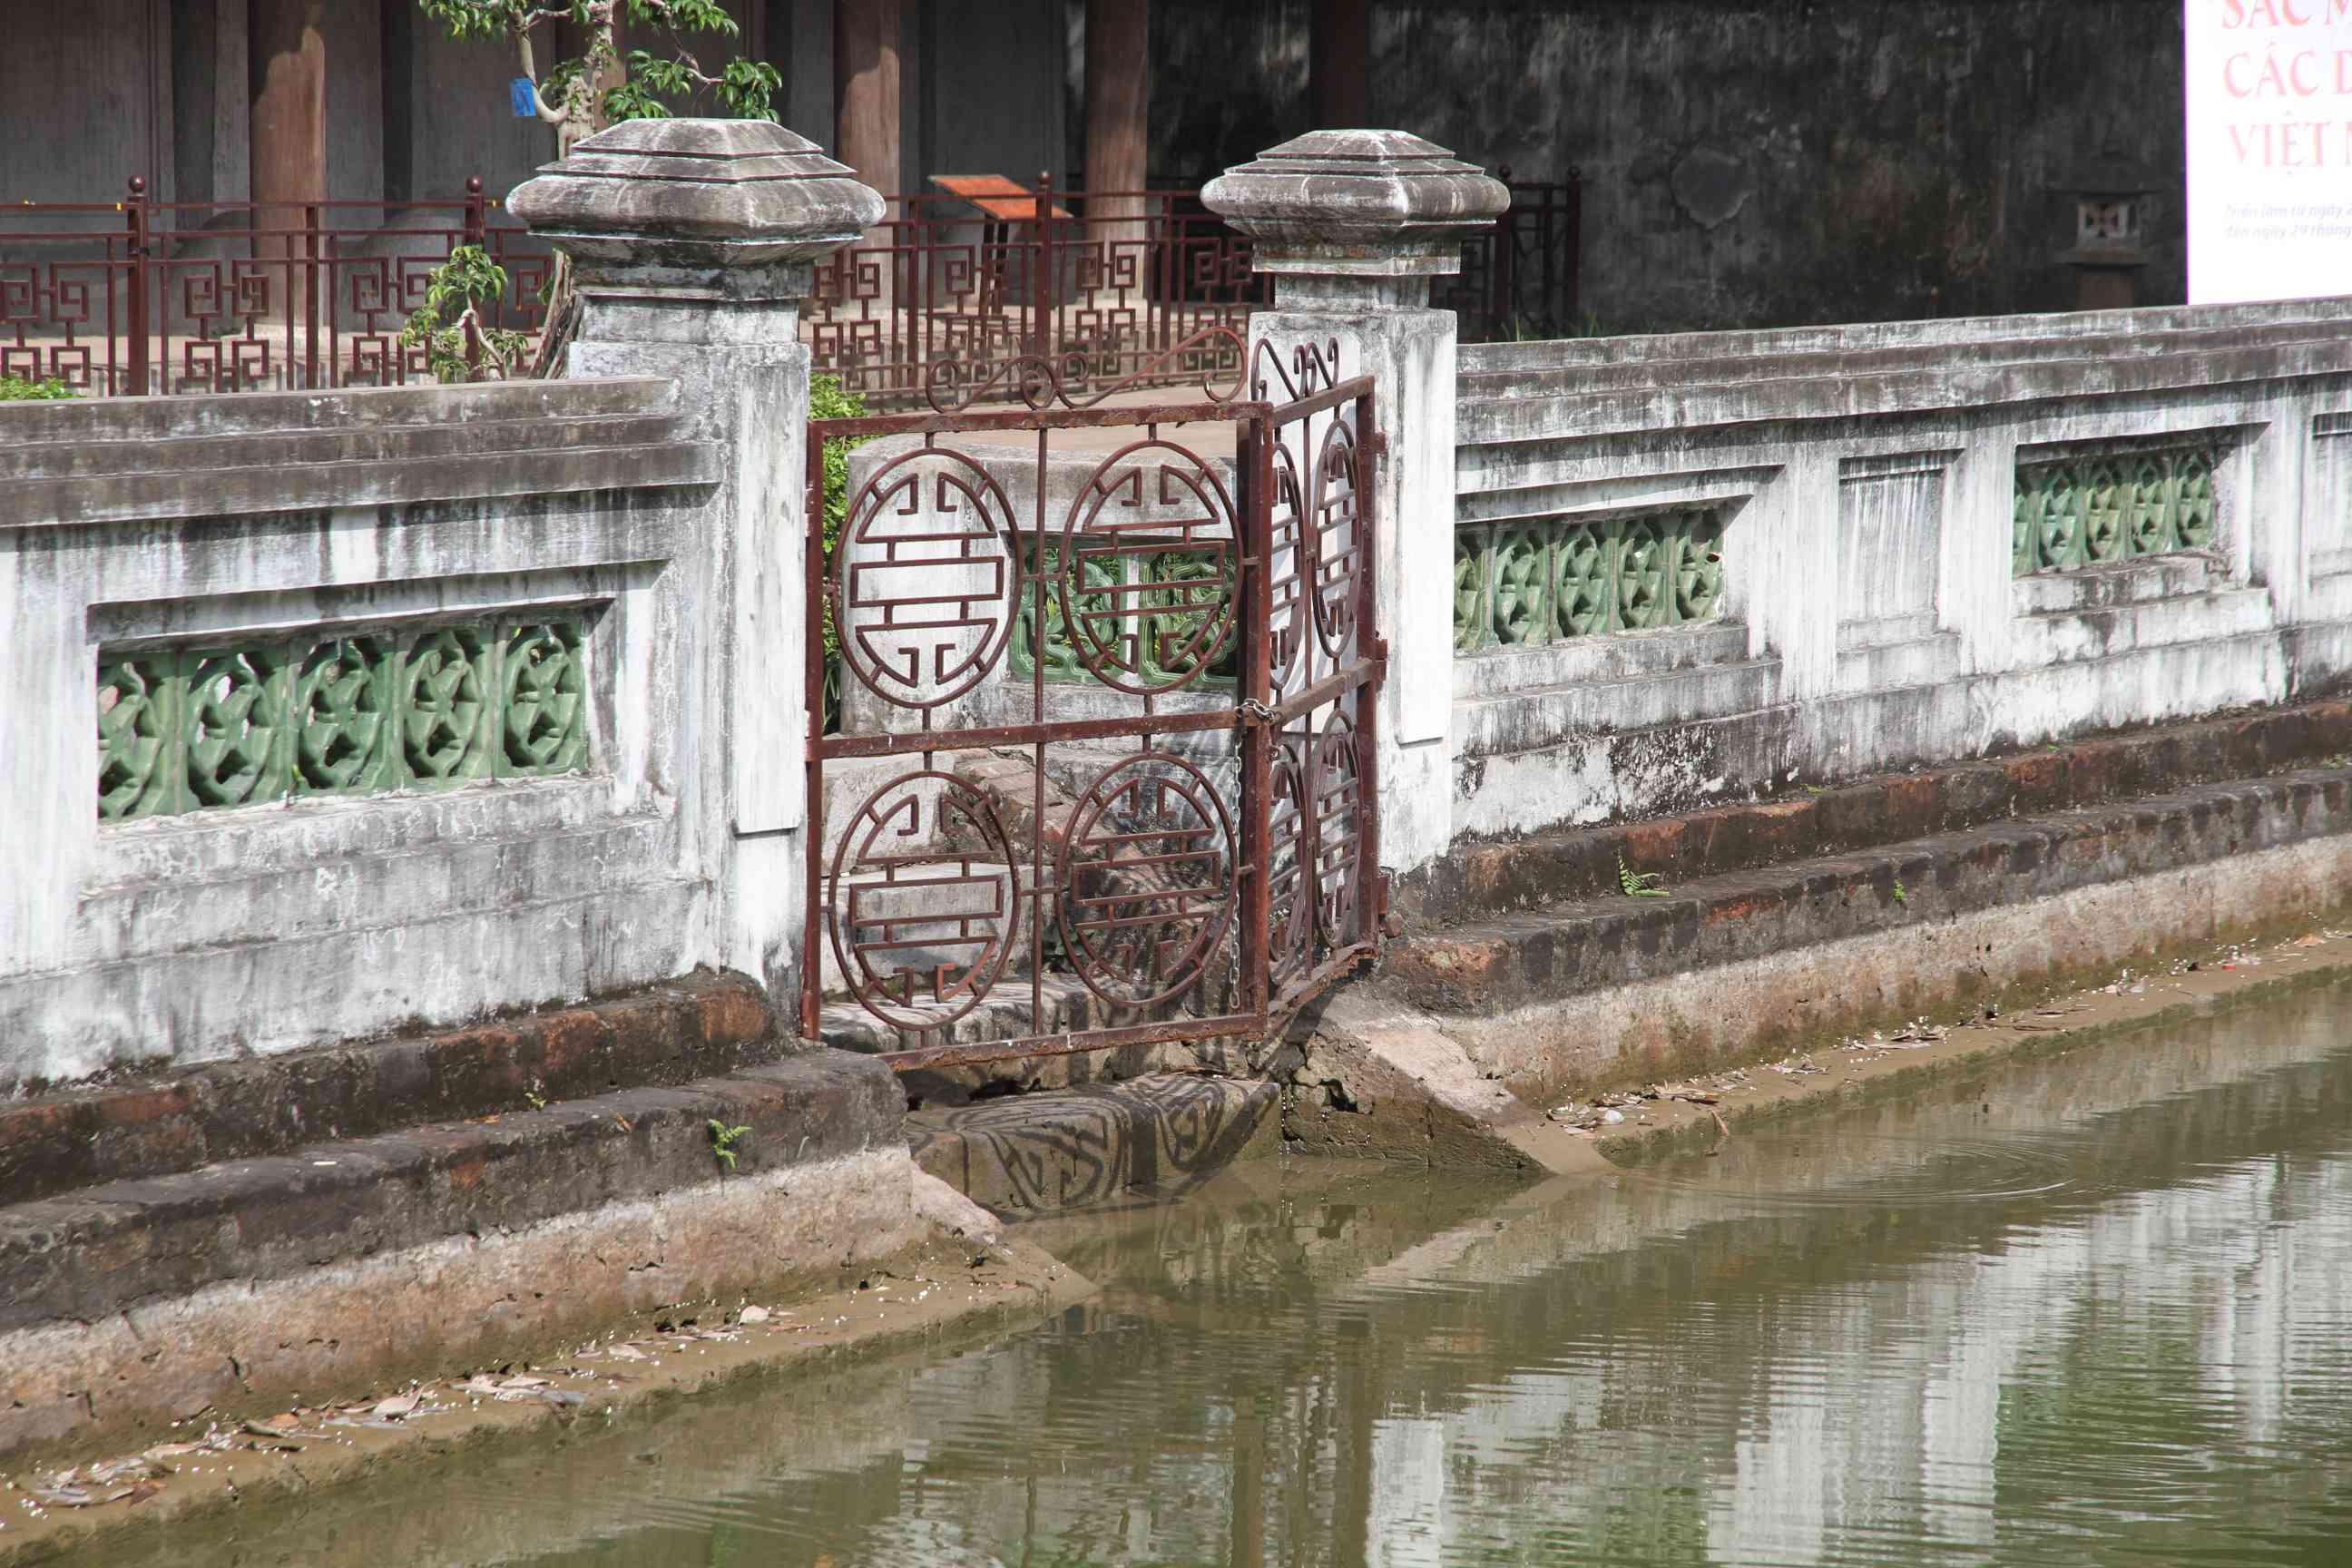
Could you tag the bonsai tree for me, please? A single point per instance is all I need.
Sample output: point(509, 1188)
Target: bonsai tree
point(458, 345)
point(602, 86)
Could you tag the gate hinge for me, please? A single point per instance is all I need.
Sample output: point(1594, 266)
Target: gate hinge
point(1381, 444)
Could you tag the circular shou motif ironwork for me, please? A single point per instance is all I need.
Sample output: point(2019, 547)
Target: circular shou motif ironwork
point(1338, 841)
point(1147, 569)
point(1291, 949)
point(1293, 553)
point(921, 902)
point(925, 579)
point(1338, 541)
point(1147, 876)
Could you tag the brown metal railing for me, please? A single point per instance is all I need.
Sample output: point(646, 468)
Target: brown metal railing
point(1104, 283)
point(941, 281)
point(1521, 278)
point(140, 296)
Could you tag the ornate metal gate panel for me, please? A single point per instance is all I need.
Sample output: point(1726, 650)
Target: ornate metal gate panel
point(1104, 772)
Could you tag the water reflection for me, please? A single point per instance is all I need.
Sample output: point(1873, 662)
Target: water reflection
point(2094, 1309)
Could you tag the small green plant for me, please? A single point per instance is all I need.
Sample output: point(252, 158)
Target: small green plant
point(18, 389)
point(458, 345)
point(1901, 894)
point(723, 1139)
point(828, 399)
point(1639, 884)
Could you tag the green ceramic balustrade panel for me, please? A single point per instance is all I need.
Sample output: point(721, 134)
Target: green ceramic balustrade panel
point(2090, 510)
point(1166, 622)
point(338, 713)
point(1523, 585)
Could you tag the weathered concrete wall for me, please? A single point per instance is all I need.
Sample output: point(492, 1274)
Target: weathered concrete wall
point(1747, 163)
point(1778, 162)
point(1885, 598)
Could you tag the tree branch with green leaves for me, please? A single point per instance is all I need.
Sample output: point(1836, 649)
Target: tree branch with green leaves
point(600, 86)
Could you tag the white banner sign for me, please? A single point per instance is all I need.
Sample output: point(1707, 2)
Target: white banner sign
point(2270, 149)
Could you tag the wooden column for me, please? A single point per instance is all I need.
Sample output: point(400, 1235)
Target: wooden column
point(287, 66)
point(1340, 64)
point(1119, 113)
point(866, 89)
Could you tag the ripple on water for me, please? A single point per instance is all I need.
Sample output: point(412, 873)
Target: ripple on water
point(1835, 1169)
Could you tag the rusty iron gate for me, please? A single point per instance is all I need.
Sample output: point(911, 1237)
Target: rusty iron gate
point(1104, 767)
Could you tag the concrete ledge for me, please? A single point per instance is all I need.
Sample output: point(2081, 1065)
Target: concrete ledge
point(1067, 1148)
point(348, 1323)
point(123, 1246)
point(1582, 862)
point(694, 1027)
point(55, 430)
point(1492, 966)
point(1804, 997)
point(1850, 337)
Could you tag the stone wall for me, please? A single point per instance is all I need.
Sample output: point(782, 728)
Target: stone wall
point(1690, 569)
point(1747, 163)
point(329, 712)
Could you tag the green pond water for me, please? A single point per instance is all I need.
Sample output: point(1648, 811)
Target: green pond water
point(2094, 1308)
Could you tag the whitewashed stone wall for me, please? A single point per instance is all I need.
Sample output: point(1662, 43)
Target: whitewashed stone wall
point(164, 526)
point(1870, 613)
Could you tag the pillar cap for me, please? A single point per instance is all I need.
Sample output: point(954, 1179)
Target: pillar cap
point(696, 194)
point(1368, 203)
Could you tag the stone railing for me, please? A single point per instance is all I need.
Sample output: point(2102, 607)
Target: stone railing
point(331, 711)
point(1699, 567)
point(335, 709)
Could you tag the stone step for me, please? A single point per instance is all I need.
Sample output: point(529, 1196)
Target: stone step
point(1581, 863)
point(146, 1126)
point(1608, 989)
point(135, 1303)
point(1097, 1144)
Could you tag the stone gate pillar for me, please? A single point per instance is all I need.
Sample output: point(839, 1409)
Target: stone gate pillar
point(691, 243)
point(1351, 226)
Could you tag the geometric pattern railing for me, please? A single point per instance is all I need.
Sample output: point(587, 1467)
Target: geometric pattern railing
point(943, 280)
point(2090, 510)
point(1522, 584)
point(142, 297)
point(423, 707)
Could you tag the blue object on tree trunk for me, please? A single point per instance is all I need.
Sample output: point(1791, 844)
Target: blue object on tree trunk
point(526, 103)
